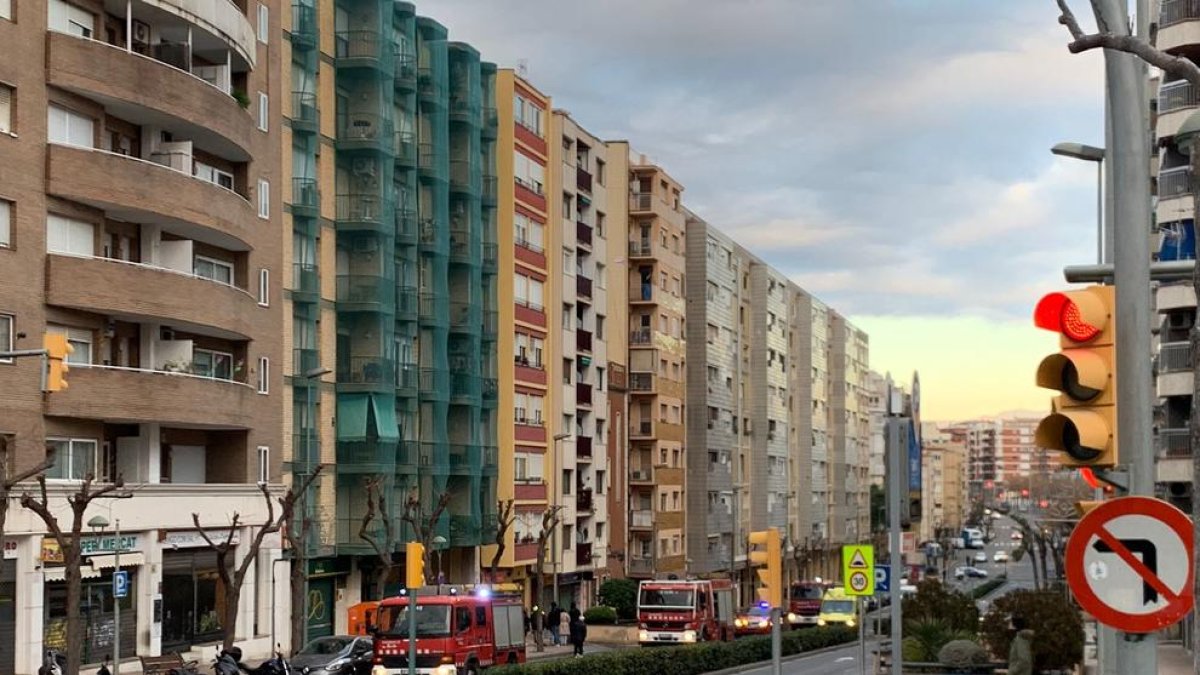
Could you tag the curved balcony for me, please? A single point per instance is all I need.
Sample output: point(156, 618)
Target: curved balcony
point(134, 291)
point(305, 33)
point(365, 293)
point(364, 49)
point(133, 395)
point(1178, 24)
point(221, 18)
point(1174, 194)
point(143, 191)
point(146, 89)
point(365, 131)
point(306, 116)
point(363, 212)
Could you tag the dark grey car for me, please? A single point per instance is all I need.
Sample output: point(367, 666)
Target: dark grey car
point(336, 655)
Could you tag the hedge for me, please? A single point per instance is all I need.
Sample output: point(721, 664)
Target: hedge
point(600, 615)
point(987, 587)
point(689, 660)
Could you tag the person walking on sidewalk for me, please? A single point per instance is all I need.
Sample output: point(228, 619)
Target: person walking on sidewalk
point(1020, 652)
point(578, 633)
point(554, 616)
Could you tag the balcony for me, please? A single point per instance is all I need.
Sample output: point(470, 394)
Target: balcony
point(365, 131)
point(405, 80)
point(406, 379)
point(306, 198)
point(306, 116)
point(363, 49)
point(1175, 375)
point(306, 283)
point(460, 246)
point(583, 287)
point(365, 293)
point(145, 292)
point(465, 317)
point(108, 73)
point(491, 321)
point(131, 395)
point(464, 388)
point(428, 86)
point(1176, 101)
point(641, 249)
point(460, 176)
point(491, 391)
point(406, 303)
point(304, 26)
point(365, 373)
point(583, 180)
point(406, 226)
point(427, 157)
point(640, 202)
point(488, 190)
point(1177, 24)
point(305, 360)
point(406, 149)
point(642, 383)
point(1176, 442)
point(583, 447)
point(641, 336)
point(583, 554)
point(362, 212)
point(491, 254)
point(490, 121)
point(643, 293)
point(641, 429)
point(583, 394)
point(461, 109)
point(583, 499)
point(641, 476)
point(435, 383)
point(144, 191)
point(583, 340)
point(583, 234)
point(1174, 182)
point(641, 566)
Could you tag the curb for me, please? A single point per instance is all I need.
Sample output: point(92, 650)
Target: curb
point(787, 659)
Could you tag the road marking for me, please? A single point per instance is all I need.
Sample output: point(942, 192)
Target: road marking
point(844, 659)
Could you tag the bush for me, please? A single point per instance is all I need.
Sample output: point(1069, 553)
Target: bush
point(987, 587)
point(933, 602)
point(926, 637)
point(600, 616)
point(621, 595)
point(1056, 624)
point(689, 660)
point(962, 654)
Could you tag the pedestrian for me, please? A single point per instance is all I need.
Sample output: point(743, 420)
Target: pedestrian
point(1020, 652)
point(578, 633)
point(574, 613)
point(554, 616)
point(525, 616)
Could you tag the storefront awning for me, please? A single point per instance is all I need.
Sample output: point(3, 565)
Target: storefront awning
point(60, 573)
point(108, 561)
point(385, 418)
point(352, 417)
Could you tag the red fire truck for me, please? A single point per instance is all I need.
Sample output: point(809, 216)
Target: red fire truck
point(804, 602)
point(458, 631)
point(678, 611)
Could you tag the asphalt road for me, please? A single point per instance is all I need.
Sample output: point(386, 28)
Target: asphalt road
point(841, 661)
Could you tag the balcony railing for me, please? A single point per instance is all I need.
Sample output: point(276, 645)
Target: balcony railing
point(1174, 182)
point(583, 500)
point(641, 475)
point(583, 287)
point(641, 249)
point(641, 566)
point(640, 336)
point(583, 395)
point(305, 360)
point(641, 428)
point(366, 289)
point(359, 208)
point(364, 44)
point(304, 25)
point(305, 279)
point(305, 114)
point(642, 292)
point(1176, 96)
point(641, 382)
point(1175, 442)
point(406, 148)
point(583, 180)
point(1175, 11)
point(640, 201)
point(583, 233)
point(365, 370)
point(306, 196)
point(356, 126)
point(1174, 357)
point(583, 554)
point(583, 340)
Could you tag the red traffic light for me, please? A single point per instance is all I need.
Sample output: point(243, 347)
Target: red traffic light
point(1089, 477)
point(1024, 492)
point(1069, 314)
point(1043, 503)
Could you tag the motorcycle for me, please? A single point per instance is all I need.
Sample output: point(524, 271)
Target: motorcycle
point(53, 663)
point(229, 662)
point(276, 665)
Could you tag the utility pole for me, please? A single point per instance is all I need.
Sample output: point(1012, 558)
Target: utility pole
point(1129, 157)
point(895, 501)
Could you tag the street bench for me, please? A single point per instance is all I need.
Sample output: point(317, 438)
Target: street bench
point(164, 665)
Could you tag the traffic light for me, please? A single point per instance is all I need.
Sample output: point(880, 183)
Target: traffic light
point(1083, 421)
point(767, 554)
point(414, 565)
point(57, 350)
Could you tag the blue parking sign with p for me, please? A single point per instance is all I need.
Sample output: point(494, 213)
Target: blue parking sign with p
point(120, 584)
point(883, 579)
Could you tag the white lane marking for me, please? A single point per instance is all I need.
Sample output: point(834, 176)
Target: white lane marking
point(844, 658)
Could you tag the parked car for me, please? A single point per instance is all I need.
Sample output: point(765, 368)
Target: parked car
point(1015, 536)
point(976, 573)
point(980, 557)
point(754, 620)
point(336, 655)
point(1000, 557)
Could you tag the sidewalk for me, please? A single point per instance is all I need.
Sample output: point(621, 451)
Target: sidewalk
point(1173, 659)
point(562, 651)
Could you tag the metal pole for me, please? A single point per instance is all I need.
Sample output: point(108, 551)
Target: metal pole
point(776, 641)
point(862, 633)
point(412, 631)
point(117, 601)
point(1129, 155)
point(1100, 212)
point(895, 467)
point(557, 512)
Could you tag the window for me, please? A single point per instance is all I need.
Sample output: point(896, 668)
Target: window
point(66, 18)
point(567, 257)
point(6, 9)
point(599, 181)
point(599, 327)
point(211, 363)
point(6, 335)
point(566, 481)
point(566, 205)
point(74, 458)
point(264, 461)
point(264, 199)
point(264, 109)
point(536, 345)
point(211, 268)
point(527, 114)
point(69, 128)
point(599, 491)
point(6, 97)
point(567, 364)
point(567, 313)
point(527, 232)
point(264, 287)
point(520, 408)
point(535, 409)
point(6, 209)
point(529, 173)
point(264, 375)
point(264, 24)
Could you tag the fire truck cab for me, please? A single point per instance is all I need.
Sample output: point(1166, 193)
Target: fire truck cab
point(459, 631)
point(678, 611)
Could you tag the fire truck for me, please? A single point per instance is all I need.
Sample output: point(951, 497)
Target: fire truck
point(683, 611)
point(804, 603)
point(459, 631)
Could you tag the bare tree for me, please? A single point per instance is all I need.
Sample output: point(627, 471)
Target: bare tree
point(68, 544)
point(550, 519)
point(232, 578)
point(297, 538)
point(383, 539)
point(424, 526)
point(9, 482)
point(504, 521)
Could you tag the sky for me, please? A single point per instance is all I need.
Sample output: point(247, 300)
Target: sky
point(890, 156)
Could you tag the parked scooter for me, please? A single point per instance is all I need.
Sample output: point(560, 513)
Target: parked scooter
point(53, 663)
point(229, 662)
point(276, 665)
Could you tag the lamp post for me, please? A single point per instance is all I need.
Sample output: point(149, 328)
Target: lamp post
point(100, 523)
point(1090, 153)
point(438, 542)
point(558, 439)
point(310, 375)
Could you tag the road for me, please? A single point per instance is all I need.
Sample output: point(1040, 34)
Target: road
point(841, 661)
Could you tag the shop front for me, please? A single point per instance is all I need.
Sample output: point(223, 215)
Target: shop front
point(8, 607)
point(321, 598)
point(97, 604)
point(193, 596)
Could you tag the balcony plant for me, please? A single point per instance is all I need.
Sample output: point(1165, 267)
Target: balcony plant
point(241, 97)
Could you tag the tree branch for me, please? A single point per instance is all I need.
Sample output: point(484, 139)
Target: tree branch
point(270, 526)
point(42, 510)
point(1178, 66)
point(372, 485)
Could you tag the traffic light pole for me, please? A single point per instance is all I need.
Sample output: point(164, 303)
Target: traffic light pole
point(1129, 155)
point(776, 641)
point(895, 503)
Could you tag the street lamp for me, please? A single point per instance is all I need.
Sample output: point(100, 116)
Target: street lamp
point(558, 439)
point(1089, 153)
point(438, 542)
point(99, 524)
point(310, 375)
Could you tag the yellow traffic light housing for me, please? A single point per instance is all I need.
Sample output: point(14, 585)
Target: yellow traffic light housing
point(766, 553)
point(1083, 421)
point(57, 350)
point(414, 565)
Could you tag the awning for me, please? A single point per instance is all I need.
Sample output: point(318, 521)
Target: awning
point(60, 573)
point(352, 417)
point(385, 418)
point(109, 561)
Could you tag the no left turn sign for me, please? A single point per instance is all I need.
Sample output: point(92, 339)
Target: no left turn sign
point(1129, 563)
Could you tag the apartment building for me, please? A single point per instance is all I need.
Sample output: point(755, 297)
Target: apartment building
point(657, 363)
point(618, 495)
point(944, 502)
point(393, 212)
point(979, 437)
point(580, 209)
point(809, 386)
point(877, 401)
point(1017, 455)
point(849, 429)
point(531, 439)
point(140, 215)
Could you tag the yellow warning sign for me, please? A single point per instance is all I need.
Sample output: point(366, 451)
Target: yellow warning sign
point(858, 569)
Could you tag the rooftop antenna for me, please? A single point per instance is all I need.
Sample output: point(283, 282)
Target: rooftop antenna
point(522, 67)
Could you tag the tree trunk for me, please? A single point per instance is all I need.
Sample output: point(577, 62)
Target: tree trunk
point(299, 589)
point(1194, 421)
point(233, 593)
point(74, 578)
